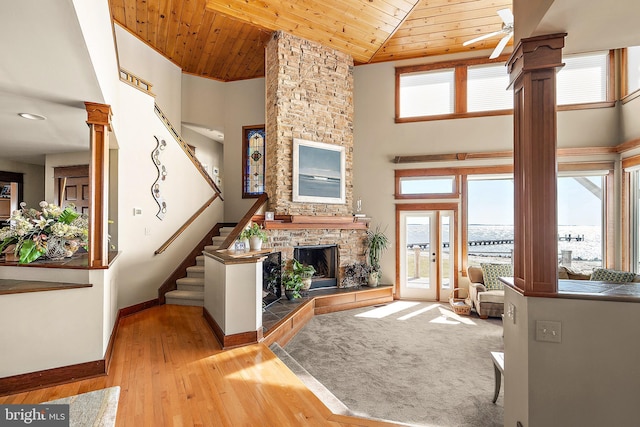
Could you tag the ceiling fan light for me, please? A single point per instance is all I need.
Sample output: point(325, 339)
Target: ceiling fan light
point(31, 116)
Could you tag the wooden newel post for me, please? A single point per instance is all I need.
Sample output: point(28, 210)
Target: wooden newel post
point(532, 69)
point(99, 121)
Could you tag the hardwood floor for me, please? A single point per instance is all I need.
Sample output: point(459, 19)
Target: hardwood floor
point(172, 372)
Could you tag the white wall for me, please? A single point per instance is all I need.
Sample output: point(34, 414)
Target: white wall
point(140, 272)
point(203, 102)
point(629, 122)
point(244, 106)
point(208, 151)
point(149, 65)
point(226, 107)
point(33, 176)
point(589, 379)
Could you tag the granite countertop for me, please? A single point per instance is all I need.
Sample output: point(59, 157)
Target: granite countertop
point(592, 290)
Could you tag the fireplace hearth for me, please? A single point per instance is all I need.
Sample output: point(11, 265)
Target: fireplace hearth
point(324, 258)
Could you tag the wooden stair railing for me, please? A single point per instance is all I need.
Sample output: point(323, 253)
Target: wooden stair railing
point(135, 81)
point(186, 225)
point(188, 151)
point(246, 219)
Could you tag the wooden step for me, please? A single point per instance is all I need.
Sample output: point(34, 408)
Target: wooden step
point(193, 298)
point(190, 284)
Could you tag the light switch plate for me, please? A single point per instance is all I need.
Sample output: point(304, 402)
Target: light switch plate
point(548, 331)
point(511, 312)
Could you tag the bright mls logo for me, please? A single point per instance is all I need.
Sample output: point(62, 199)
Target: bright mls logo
point(34, 415)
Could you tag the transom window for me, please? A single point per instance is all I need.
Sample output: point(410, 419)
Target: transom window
point(478, 87)
point(633, 69)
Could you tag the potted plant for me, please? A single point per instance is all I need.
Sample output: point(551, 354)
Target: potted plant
point(376, 241)
point(256, 236)
point(292, 283)
point(305, 272)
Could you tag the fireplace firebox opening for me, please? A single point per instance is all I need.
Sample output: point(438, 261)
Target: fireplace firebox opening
point(324, 258)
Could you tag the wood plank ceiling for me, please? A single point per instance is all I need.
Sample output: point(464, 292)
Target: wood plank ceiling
point(225, 39)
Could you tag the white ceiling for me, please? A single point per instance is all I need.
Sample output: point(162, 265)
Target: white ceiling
point(45, 70)
point(593, 25)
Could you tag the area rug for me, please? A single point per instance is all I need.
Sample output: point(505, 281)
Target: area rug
point(94, 409)
point(409, 362)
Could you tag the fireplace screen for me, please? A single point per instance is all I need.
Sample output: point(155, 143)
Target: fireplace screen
point(324, 258)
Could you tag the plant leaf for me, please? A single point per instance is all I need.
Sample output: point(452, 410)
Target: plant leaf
point(29, 252)
point(68, 216)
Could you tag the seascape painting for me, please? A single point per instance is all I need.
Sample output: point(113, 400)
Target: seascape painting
point(318, 172)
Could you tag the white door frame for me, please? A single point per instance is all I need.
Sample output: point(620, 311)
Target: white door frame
point(453, 254)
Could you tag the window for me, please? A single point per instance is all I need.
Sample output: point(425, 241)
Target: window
point(580, 231)
point(425, 184)
point(490, 219)
point(633, 69)
point(583, 79)
point(487, 88)
point(253, 164)
point(427, 93)
point(479, 87)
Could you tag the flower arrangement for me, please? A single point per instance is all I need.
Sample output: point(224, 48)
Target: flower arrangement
point(34, 231)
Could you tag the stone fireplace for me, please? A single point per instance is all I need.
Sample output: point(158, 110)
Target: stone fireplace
point(324, 258)
point(309, 92)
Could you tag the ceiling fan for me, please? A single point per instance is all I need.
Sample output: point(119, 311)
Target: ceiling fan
point(507, 30)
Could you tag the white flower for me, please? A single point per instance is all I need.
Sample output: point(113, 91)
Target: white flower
point(43, 204)
point(42, 222)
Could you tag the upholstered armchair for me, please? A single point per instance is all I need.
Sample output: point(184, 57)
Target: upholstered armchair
point(488, 301)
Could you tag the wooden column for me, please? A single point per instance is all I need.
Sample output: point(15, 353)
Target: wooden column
point(99, 121)
point(532, 69)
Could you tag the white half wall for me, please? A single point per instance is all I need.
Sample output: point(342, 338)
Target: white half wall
point(589, 379)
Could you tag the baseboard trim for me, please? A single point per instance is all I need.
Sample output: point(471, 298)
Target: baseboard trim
point(233, 340)
point(66, 374)
point(51, 377)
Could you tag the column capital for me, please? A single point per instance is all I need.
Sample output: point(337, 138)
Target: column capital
point(98, 114)
point(536, 53)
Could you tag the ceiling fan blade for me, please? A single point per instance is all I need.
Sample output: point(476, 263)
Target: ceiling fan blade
point(506, 16)
point(477, 39)
point(503, 42)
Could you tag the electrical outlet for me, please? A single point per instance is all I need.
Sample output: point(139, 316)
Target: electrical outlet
point(147, 231)
point(548, 331)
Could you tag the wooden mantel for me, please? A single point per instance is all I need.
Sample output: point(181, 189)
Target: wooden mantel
point(299, 222)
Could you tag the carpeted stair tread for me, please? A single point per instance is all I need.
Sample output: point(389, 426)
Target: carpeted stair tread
point(211, 248)
point(200, 260)
point(190, 281)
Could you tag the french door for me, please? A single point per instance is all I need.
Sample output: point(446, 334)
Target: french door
point(426, 253)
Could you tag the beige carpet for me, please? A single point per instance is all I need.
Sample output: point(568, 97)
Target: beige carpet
point(410, 362)
point(94, 409)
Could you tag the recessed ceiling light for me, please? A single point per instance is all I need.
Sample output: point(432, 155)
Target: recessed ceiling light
point(30, 116)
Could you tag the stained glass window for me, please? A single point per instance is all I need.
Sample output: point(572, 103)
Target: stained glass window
point(253, 161)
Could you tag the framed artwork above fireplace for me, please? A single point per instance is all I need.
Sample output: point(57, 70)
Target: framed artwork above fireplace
point(318, 172)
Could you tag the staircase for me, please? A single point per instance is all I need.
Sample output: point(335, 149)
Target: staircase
point(191, 288)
